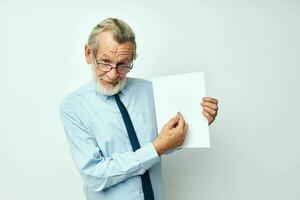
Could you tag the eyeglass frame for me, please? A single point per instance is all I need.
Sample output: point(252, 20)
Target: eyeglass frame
point(129, 67)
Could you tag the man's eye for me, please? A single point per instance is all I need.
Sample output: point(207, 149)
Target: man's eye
point(105, 61)
point(122, 65)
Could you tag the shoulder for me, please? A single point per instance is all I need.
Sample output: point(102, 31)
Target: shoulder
point(76, 95)
point(140, 89)
point(138, 83)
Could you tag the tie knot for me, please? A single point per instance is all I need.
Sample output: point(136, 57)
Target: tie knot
point(117, 97)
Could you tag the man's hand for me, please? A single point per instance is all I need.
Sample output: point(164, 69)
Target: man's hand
point(210, 108)
point(172, 135)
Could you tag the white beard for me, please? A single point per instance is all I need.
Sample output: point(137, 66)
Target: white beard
point(109, 90)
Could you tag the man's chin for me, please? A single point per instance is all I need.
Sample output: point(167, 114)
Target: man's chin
point(110, 89)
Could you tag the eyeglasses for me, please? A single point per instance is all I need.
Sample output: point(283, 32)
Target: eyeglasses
point(122, 68)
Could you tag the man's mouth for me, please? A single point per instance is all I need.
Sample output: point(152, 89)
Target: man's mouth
point(106, 82)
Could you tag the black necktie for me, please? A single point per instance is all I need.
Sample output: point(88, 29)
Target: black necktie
point(146, 183)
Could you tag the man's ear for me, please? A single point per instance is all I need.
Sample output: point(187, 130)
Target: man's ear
point(87, 52)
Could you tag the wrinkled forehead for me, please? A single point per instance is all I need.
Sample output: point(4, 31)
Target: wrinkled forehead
point(109, 47)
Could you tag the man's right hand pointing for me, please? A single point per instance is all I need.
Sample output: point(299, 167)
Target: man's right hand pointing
point(172, 135)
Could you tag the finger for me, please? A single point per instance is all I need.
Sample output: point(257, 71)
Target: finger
point(181, 122)
point(209, 104)
point(172, 122)
point(210, 99)
point(211, 111)
point(185, 129)
point(208, 116)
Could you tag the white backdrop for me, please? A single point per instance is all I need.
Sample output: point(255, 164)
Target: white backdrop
point(249, 51)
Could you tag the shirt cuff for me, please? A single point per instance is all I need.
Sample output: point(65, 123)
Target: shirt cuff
point(148, 156)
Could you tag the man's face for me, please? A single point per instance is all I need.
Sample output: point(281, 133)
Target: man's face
point(110, 51)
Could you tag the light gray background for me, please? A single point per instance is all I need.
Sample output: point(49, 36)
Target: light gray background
point(249, 51)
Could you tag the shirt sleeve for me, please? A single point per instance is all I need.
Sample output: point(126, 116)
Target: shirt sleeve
point(100, 172)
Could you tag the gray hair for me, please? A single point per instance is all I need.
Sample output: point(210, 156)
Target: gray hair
point(121, 32)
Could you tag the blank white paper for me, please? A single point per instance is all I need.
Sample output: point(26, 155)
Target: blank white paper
point(183, 93)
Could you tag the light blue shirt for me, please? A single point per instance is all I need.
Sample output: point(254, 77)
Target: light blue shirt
point(100, 146)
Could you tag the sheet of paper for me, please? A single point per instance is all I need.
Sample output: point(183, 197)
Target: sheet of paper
point(184, 93)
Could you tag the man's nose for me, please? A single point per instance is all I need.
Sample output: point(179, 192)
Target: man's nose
point(113, 74)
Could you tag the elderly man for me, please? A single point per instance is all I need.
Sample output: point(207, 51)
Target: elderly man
point(110, 122)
